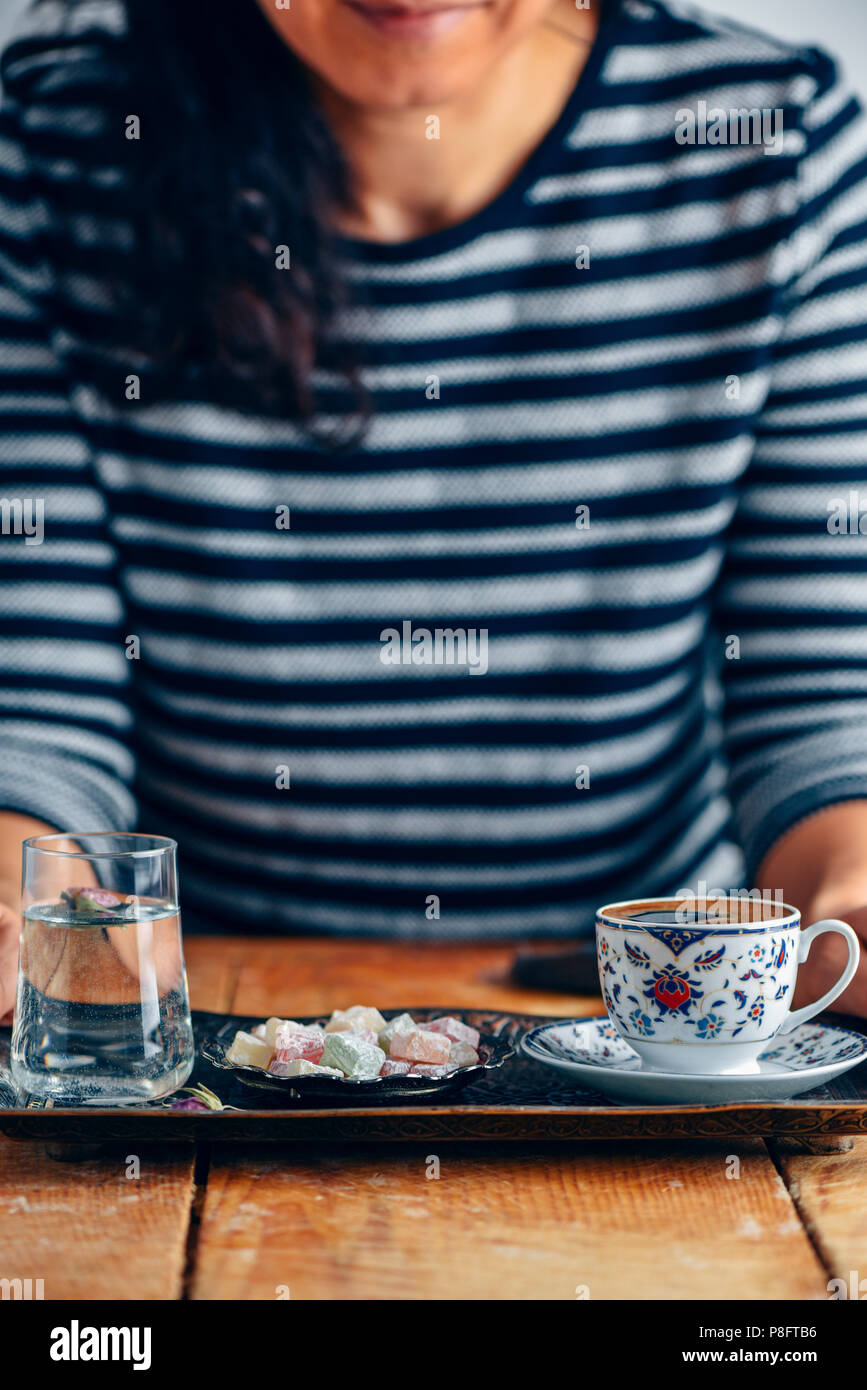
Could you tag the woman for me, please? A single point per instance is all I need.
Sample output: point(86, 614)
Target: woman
point(448, 415)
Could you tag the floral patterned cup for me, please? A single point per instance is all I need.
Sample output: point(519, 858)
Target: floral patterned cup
point(701, 987)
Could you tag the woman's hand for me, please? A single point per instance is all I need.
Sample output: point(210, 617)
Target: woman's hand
point(14, 828)
point(8, 961)
point(820, 867)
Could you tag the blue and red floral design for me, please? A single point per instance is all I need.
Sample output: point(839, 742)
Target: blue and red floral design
point(728, 986)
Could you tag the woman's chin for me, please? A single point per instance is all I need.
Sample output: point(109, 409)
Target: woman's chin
point(389, 55)
point(394, 82)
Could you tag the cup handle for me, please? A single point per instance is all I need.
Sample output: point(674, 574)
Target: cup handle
point(808, 936)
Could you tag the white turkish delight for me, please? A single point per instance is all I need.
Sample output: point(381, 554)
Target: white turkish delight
point(360, 1018)
point(247, 1051)
point(355, 1057)
point(299, 1066)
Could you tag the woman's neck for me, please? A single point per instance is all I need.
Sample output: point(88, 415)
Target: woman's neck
point(407, 184)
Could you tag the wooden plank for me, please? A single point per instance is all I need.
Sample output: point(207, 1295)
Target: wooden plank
point(830, 1193)
point(623, 1221)
point(314, 976)
point(89, 1231)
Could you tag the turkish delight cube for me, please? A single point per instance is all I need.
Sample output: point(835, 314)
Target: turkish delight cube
point(247, 1051)
point(454, 1030)
point(355, 1056)
point(423, 1069)
point(365, 1034)
point(300, 1066)
point(462, 1055)
point(359, 1018)
point(402, 1024)
point(295, 1041)
point(392, 1068)
point(417, 1045)
point(273, 1026)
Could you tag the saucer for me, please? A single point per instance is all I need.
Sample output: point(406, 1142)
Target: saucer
point(593, 1051)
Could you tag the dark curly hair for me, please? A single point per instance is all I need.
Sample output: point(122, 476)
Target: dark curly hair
point(235, 159)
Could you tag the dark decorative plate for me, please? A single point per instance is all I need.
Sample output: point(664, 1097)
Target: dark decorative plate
point(494, 1049)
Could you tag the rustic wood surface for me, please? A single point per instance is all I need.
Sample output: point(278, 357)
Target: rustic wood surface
point(830, 1194)
point(88, 1230)
point(502, 1223)
point(739, 1219)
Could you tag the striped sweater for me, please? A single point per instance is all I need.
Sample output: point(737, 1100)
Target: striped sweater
point(582, 617)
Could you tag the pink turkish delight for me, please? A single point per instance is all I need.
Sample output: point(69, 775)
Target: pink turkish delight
point(418, 1045)
point(454, 1030)
point(393, 1068)
point(295, 1043)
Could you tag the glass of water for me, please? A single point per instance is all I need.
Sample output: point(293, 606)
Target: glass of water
point(102, 1015)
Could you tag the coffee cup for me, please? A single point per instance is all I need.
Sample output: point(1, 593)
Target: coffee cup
point(702, 986)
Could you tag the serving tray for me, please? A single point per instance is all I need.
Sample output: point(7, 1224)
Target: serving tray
point(521, 1100)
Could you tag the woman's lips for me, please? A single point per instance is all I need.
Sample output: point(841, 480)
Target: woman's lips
point(411, 22)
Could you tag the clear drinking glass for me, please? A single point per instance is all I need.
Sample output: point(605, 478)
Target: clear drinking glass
point(102, 1014)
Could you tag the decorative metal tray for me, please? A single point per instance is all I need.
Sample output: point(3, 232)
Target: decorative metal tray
point(518, 1100)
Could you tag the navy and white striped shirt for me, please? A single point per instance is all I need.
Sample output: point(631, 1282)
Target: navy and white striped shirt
point(619, 425)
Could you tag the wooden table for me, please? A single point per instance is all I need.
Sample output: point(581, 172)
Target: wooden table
point(618, 1220)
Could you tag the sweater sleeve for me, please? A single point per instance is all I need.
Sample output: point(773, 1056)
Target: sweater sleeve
point(792, 602)
point(64, 676)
